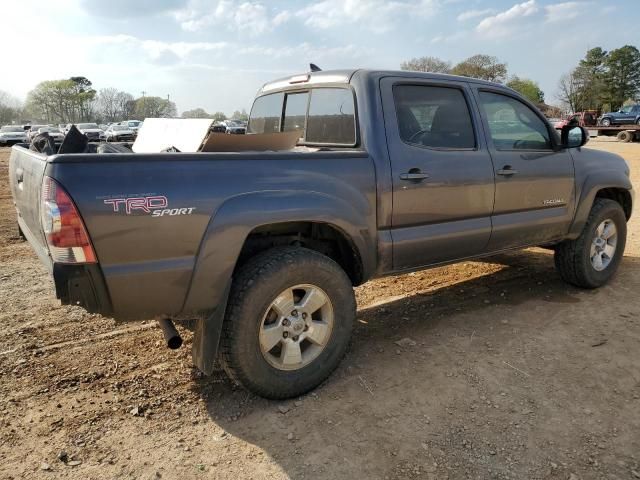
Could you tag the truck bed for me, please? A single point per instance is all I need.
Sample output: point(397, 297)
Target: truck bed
point(150, 218)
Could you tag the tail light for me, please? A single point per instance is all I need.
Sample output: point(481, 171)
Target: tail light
point(63, 228)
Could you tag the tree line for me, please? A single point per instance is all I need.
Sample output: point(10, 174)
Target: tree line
point(484, 67)
point(75, 100)
point(603, 81)
point(217, 116)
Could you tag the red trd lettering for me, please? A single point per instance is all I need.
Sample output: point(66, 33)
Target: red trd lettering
point(137, 203)
point(115, 202)
point(157, 202)
point(146, 204)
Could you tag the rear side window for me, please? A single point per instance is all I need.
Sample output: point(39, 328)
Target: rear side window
point(295, 111)
point(434, 117)
point(266, 114)
point(513, 125)
point(331, 117)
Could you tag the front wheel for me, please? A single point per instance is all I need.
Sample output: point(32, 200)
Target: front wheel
point(590, 260)
point(605, 122)
point(288, 322)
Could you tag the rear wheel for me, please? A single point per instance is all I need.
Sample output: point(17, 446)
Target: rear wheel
point(625, 136)
point(288, 322)
point(591, 260)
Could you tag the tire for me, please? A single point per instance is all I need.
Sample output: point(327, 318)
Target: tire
point(252, 304)
point(573, 258)
point(605, 122)
point(625, 136)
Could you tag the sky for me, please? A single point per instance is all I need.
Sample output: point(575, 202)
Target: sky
point(216, 54)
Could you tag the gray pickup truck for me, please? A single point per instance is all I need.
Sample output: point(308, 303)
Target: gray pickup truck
point(396, 171)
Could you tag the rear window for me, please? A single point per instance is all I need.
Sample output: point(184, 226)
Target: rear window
point(295, 111)
point(327, 115)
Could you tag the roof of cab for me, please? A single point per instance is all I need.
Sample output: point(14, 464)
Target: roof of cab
point(344, 76)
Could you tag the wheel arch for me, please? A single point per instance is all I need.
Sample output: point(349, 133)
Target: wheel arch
point(255, 221)
point(612, 184)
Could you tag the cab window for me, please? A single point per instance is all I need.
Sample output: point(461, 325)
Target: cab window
point(513, 125)
point(434, 117)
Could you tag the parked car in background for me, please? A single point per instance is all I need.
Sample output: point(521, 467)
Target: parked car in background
point(235, 127)
point(33, 131)
point(92, 131)
point(134, 125)
point(218, 127)
point(588, 118)
point(10, 134)
point(54, 132)
point(119, 133)
point(627, 115)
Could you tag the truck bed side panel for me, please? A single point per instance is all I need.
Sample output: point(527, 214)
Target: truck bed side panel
point(148, 259)
point(26, 169)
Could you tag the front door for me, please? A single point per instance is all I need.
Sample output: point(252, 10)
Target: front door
point(443, 182)
point(535, 188)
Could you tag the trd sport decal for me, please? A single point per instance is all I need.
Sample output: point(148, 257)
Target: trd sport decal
point(155, 205)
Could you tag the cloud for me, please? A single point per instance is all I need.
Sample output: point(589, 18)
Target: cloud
point(128, 8)
point(509, 21)
point(376, 15)
point(250, 18)
point(469, 14)
point(564, 11)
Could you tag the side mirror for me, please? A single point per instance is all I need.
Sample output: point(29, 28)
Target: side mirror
point(573, 136)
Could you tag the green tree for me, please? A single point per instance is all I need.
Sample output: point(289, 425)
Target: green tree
point(240, 115)
point(590, 76)
point(527, 88)
point(154, 107)
point(484, 67)
point(196, 113)
point(10, 108)
point(219, 116)
point(82, 99)
point(622, 76)
point(427, 64)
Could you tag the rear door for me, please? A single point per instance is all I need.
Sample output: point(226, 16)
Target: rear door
point(534, 179)
point(26, 170)
point(443, 182)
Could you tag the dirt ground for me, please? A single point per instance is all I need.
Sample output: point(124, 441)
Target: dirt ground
point(507, 373)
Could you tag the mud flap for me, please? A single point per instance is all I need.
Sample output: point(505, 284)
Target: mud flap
point(206, 337)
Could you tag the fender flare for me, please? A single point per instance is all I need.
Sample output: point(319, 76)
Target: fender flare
point(593, 183)
point(225, 236)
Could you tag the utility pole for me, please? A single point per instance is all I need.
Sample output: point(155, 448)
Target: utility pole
point(144, 106)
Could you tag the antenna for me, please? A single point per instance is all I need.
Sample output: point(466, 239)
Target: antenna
point(314, 67)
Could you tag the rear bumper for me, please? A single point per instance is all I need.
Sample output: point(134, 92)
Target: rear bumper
point(82, 285)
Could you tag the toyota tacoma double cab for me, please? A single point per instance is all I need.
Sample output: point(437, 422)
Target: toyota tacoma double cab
point(394, 172)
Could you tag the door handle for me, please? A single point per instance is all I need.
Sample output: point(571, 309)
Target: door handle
point(414, 175)
point(507, 171)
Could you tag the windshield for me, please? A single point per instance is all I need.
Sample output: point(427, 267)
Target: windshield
point(626, 109)
point(49, 130)
point(11, 129)
point(87, 126)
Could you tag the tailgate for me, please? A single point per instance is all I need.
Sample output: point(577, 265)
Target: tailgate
point(26, 169)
